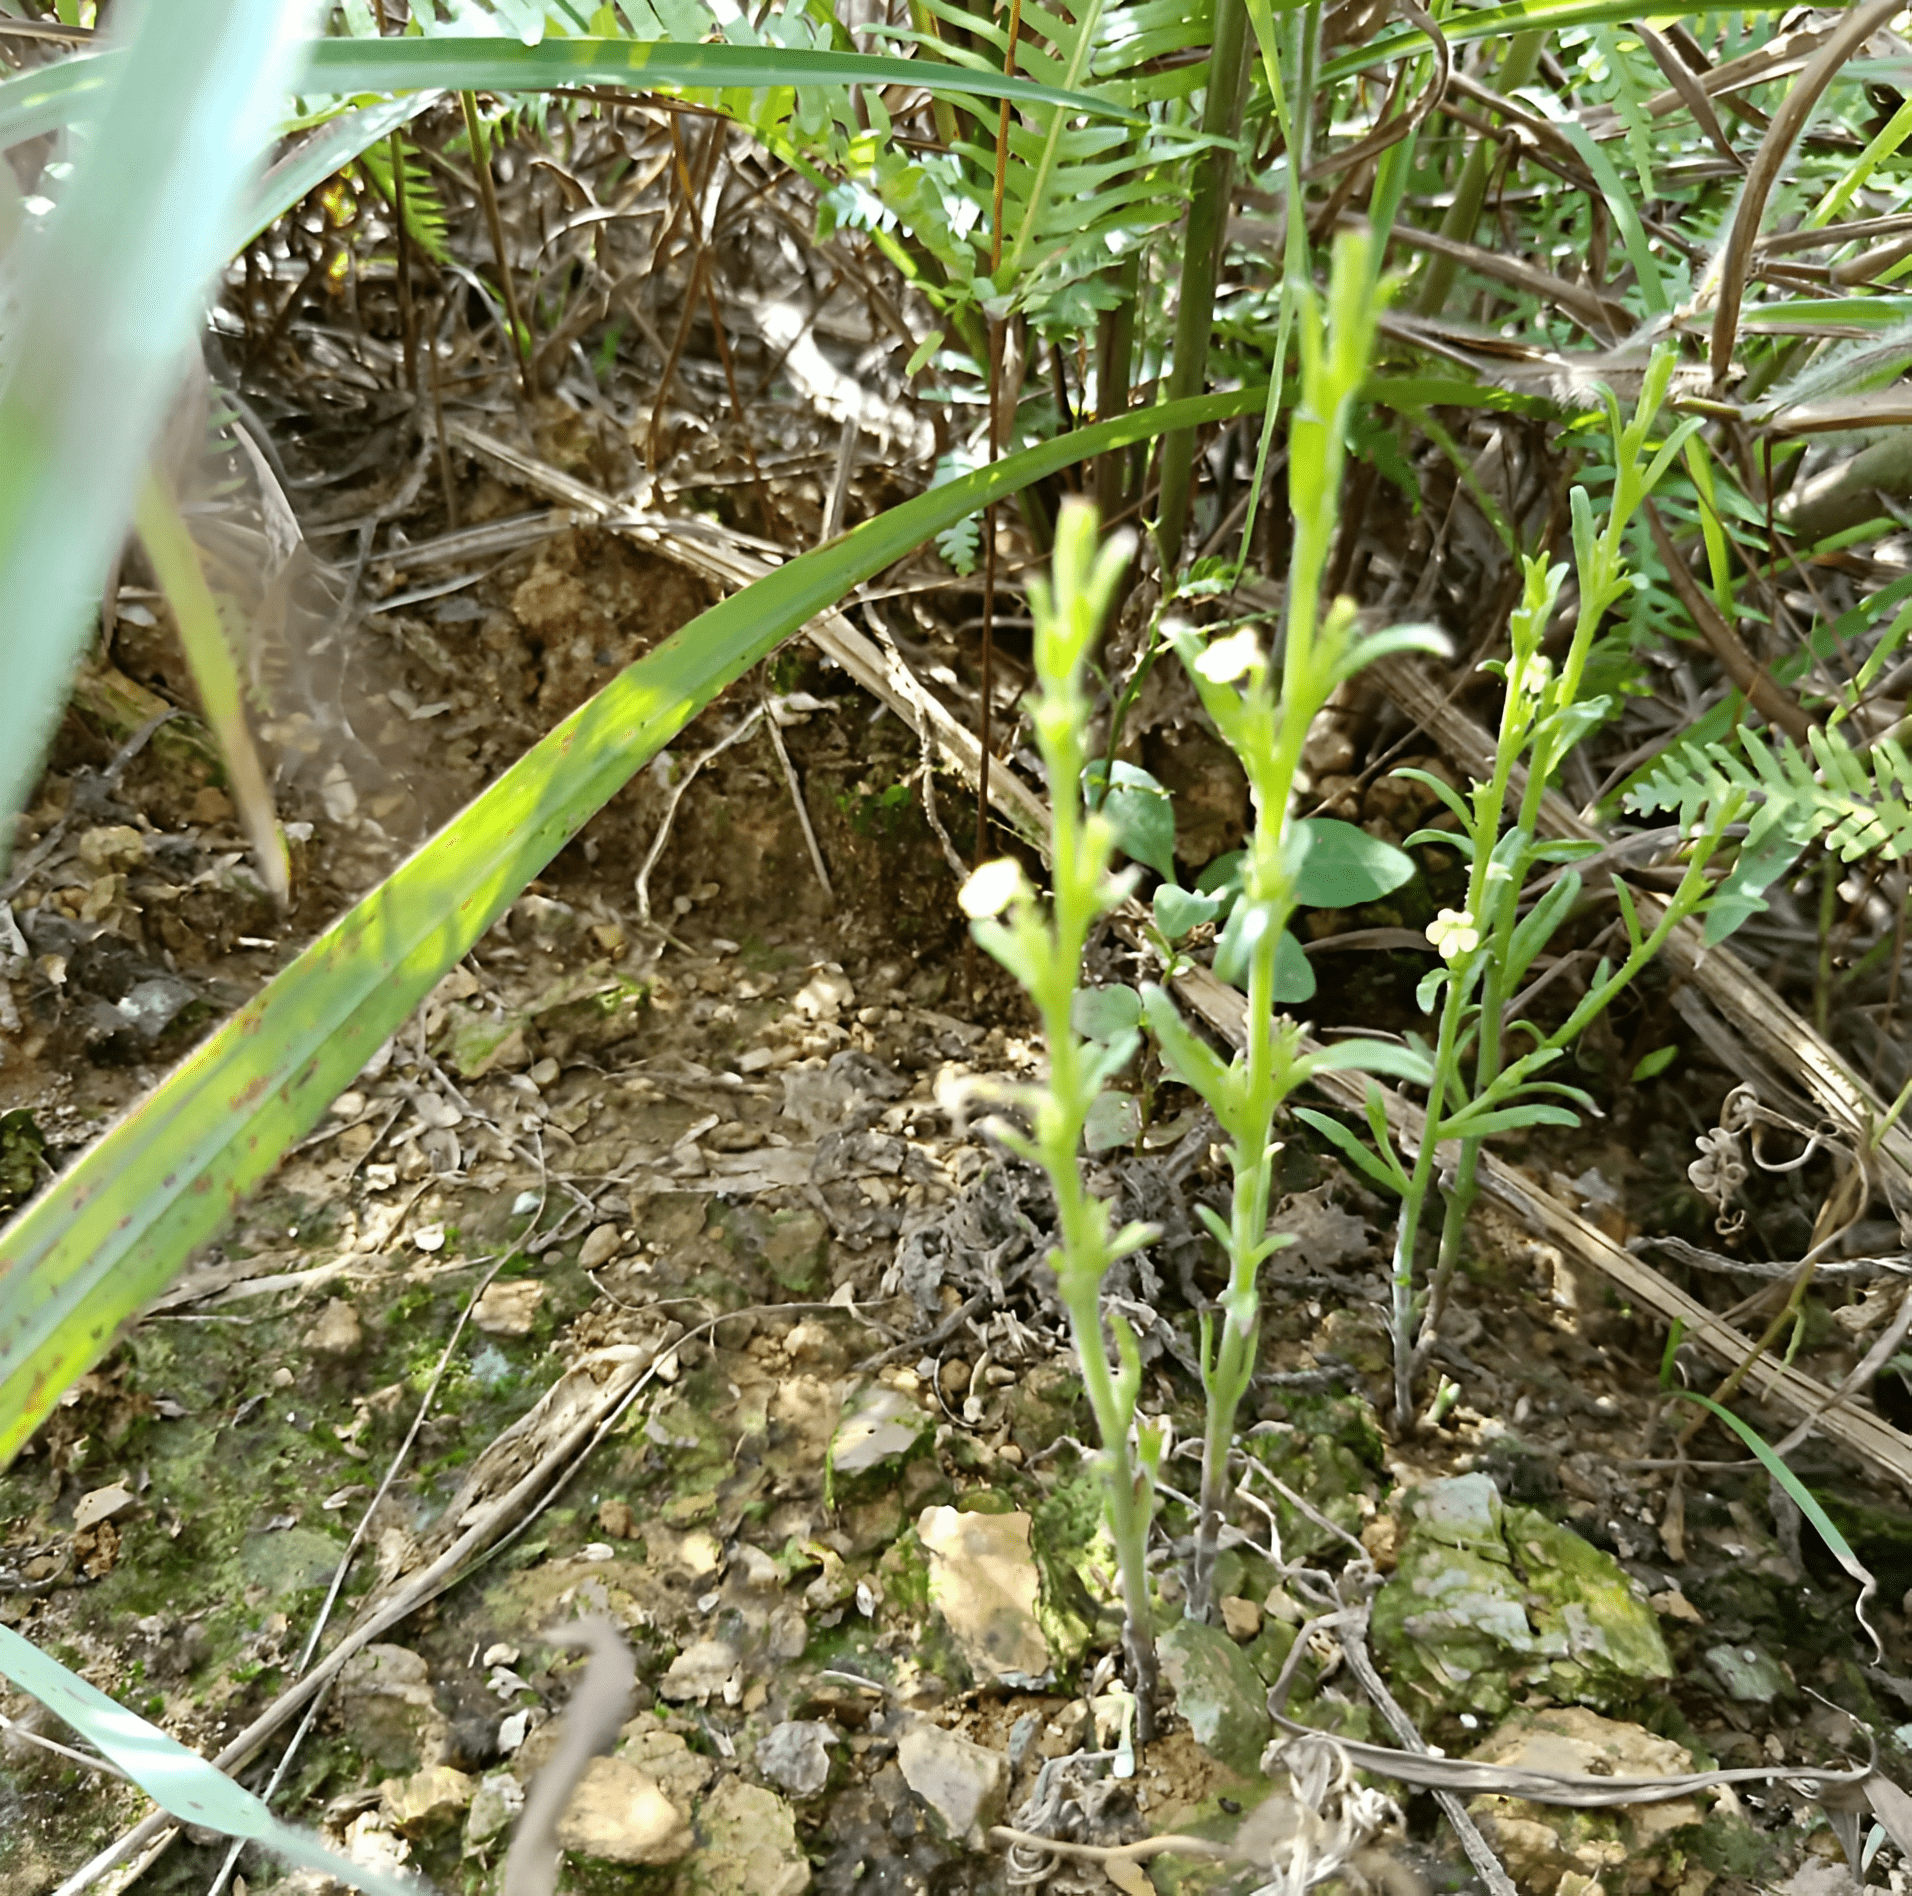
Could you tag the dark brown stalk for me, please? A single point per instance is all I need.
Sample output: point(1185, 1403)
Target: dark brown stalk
point(1736, 258)
point(438, 418)
point(488, 195)
point(406, 314)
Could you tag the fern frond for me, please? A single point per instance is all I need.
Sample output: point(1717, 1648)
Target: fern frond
point(1857, 803)
point(425, 220)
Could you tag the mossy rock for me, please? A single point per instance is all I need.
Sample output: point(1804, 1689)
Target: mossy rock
point(1489, 1602)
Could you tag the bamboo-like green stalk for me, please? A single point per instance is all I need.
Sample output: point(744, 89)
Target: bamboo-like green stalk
point(1203, 236)
point(1470, 189)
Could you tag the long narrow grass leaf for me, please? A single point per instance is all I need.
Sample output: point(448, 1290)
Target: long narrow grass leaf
point(109, 1234)
point(111, 297)
point(35, 103)
point(1805, 1501)
point(179, 1781)
point(310, 163)
point(202, 636)
point(502, 65)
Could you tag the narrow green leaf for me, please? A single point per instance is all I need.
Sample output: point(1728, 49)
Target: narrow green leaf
point(202, 637)
point(1536, 928)
point(1620, 202)
point(1805, 1500)
point(1519, 16)
point(1389, 1177)
point(35, 103)
point(1473, 1123)
point(179, 1781)
point(1441, 788)
point(1190, 1059)
point(315, 158)
point(109, 1234)
point(1361, 1055)
point(457, 64)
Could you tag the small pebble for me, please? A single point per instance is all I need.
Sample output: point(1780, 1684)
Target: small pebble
point(601, 1244)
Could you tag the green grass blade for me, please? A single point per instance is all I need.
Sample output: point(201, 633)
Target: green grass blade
point(34, 103)
point(112, 296)
point(1646, 269)
point(1523, 16)
point(202, 637)
point(179, 1781)
point(110, 1233)
point(308, 165)
point(1803, 1499)
point(503, 65)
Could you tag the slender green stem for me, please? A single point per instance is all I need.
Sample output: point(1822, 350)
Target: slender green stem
point(1203, 234)
point(1044, 952)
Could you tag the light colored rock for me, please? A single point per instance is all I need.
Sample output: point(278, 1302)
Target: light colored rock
point(826, 994)
point(879, 1425)
point(428, 1800)
point(1629, 1847)
point(1817, 1877)
point(601, 1244)
point(112, 846)
point(1218, 1691)
point(789, 1632)
point(371, 1841)
point(750, 1845)
point(681, 1773)
point(755, 1568)
point(983, 1581)
point(1241, 1619)
point(336, 1331)
point(619, 1815)
point(963, 1786)
point(699, 1671)
point(509, 1306)
point(795, 1755)
point(1490, 1601)
point(1749, 1675)
point(496, 1801)
point(383, 1700)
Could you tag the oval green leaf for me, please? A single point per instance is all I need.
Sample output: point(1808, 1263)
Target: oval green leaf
point(1345, 866)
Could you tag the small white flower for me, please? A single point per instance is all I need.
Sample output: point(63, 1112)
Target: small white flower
point(992, 888)
point(1231, 658)
point(1453, 932)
